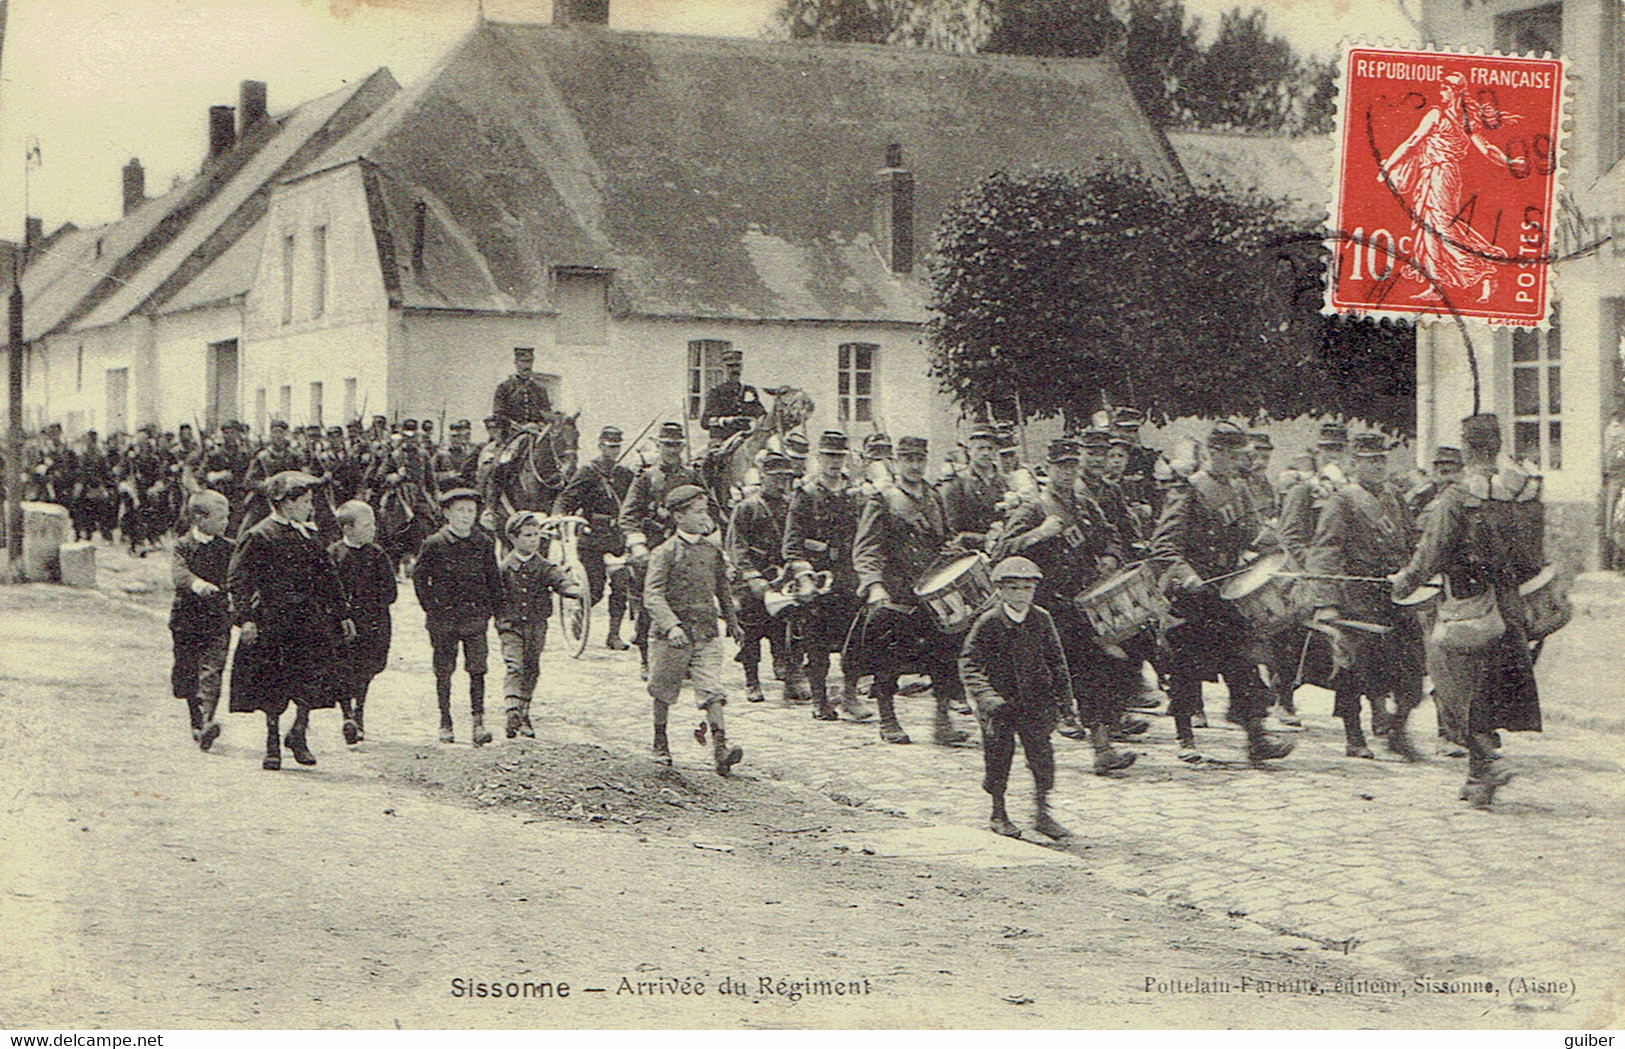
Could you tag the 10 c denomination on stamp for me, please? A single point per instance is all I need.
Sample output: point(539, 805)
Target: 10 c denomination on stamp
point(1445, 185)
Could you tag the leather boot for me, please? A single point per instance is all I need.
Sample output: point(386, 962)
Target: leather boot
point(662, 749)
point(890, 730)
point(360, 724)
point(511, 727)
point(1398, 740)
point(1044, 823)
point(1107, 758)
point(726, 755)
point(943, 733)
point(273, 746)
point(481, 735)
point(818, 686)
point(1261, 746)
point(753, 686)
point(209, 730)
point(1354, 744)
point(526, 729)
point(295, 742)
point(999, 821)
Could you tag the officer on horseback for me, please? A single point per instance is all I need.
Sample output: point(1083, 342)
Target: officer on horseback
point(730, 406)
point(521, 398)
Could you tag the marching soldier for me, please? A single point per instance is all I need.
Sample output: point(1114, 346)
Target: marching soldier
point(277, 457)
point(1365, 530)
point(1447, 469)
point(797, 448)
point(1138, 481)
point(452, 463)
point(1074, 546)
point(644, 520)
point(1302, 503)
point(901, 533)
point(754, 543)
point(1260, 489)
point(819, 528)
point(972, 497)
point(730, 405)
point(1105, 457)
point(595, 493)
point(1205, 528)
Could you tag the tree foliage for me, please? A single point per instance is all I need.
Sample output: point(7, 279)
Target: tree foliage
point(1057, 288)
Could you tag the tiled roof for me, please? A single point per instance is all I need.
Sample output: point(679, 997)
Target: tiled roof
point(717, 178)
point(1297, 170)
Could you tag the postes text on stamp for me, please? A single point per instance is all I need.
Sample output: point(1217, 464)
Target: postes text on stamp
point(1445, 185)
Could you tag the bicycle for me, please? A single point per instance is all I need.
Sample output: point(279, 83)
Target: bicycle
point(563, 534)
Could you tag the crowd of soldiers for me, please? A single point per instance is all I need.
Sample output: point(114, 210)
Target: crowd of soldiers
point(826, 552)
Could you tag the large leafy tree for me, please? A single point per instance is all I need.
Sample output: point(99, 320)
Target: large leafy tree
point(1055, 289)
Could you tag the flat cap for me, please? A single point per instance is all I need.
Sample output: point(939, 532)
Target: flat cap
point(519, 519)
point(452, 495)
point(733, 357)
point(524, 353)
point(1128, 418)
point(462, 425)
point(289, 484)
point(1016, 568)
point(409, 426)
point(983, 432)
point(682, 495)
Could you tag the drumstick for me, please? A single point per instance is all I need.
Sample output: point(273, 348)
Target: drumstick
point(1321, 577)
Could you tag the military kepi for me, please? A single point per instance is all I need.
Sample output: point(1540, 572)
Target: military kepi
point(1227, 435)
point(671, 433)
point(907, 446)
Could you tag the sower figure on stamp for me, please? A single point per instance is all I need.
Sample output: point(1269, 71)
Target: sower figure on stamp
point(460, 588)
point(1205, 529)
point(902, 531)
point(1073, 546)
point(529, 581)
point(754, 542)
point(1016, 675)
point(686, 592)
point(200, 619)
point(1365, 530)
point(819, 529)
point(369, 583)
point(1476, 534)
point(595, 494)
point(291, 610)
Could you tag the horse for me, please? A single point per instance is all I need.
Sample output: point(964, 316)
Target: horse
point(724, 467)
point(533, 467)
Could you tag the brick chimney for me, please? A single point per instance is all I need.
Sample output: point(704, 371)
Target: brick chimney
point(135, 185)
point(251, 99)
point(33, 235)
point(894, 212)
point(222, 130)
point(581, 12)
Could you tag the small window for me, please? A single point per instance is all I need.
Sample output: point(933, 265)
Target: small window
point(318, 248)
point(855, 382)
point(583, 298)
point(704, 371)
point(284, 404)
point(316, 404)
point(259, 411)
point(349, 400)
point(287, 279)
point(1537, 395)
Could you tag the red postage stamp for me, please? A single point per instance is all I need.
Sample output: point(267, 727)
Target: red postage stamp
point(1446, 180)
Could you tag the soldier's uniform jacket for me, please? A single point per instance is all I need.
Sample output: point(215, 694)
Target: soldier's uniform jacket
point(95, 475)
point(1114, 506)
point(756, 534)
point(269, 462)
point(728, 398)
point(1205, 527)
point(899, 536)
point(821, 514)
point(1300, 511)
point(224, 470)
point(451, 465)
point(1362, 533)
point(596, 493)
point(521, 398)
point(971, 501)
point(1139, 479)
point(1068, 559)
point(643, 516)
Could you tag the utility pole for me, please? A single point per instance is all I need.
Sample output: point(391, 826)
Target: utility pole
point(14, 386)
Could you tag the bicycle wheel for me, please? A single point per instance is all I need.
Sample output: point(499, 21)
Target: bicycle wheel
point(575, 614)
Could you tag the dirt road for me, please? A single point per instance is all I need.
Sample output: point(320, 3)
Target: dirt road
point(145, 884)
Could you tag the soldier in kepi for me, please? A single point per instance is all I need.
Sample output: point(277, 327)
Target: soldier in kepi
point(730, 406)
point(520, 402)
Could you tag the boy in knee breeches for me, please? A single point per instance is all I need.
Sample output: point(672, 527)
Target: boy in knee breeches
point(1015, 672)
point(459, 586)
point(200, 618)
point(528, 583)
point(684, 592)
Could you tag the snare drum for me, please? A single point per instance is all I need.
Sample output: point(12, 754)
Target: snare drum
point(1259, 596)
point(956, 591)
point(1547, 604)
point(1124, 604)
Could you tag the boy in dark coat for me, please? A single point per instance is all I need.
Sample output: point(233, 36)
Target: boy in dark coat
point(460, 588)
point(200, 619)
point(1015, 673)
point(528, 583)
point(369, 582)
point(291, 610)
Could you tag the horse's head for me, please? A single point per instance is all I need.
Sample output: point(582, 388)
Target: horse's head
point(791, 407)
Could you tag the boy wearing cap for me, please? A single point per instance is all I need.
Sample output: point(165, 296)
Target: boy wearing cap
point(595, 493)
point(1016, 675)
point(369, 582)
point(290, 609)
point(200, 618)
point(529, 582)
point(685, 592)
point(644, 520)
point(754, 543)
point(460, 588)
